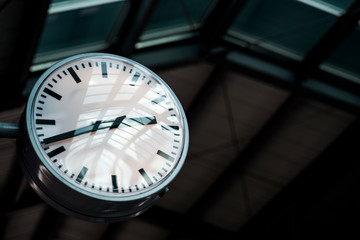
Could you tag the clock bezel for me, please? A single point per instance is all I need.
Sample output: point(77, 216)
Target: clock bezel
point(152, 190)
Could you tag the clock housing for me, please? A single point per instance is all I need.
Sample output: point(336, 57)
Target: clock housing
point(103, 136)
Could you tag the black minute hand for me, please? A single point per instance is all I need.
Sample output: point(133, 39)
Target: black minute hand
point(121, 121)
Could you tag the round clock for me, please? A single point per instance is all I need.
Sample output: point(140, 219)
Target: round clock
point(103, 136)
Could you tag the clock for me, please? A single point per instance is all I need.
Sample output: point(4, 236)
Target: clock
point(103, 136)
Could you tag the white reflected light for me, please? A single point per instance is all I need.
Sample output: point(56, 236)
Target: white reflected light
point(324, 6)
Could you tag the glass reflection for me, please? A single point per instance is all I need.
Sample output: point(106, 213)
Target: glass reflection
point(117, 130)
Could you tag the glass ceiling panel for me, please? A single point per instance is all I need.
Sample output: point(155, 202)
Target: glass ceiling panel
point(290, 28)
point(78, 26)
point(343, 4)
point(176, 16)
point(344, 60)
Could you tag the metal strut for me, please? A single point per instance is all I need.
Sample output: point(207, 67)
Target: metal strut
point(9, 130)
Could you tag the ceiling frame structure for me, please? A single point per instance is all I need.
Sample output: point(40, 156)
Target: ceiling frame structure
point(29, 31)
point(215, 52)
point(293, 204)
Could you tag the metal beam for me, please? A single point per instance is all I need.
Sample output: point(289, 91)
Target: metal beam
point(208, 88)
point(240, 162)
point(283, 77)
point(323, 199)
point(333, 38)
point(237, 165)
point(168, 57)
point(219, 20)
point(23, 49)
point(135, 22)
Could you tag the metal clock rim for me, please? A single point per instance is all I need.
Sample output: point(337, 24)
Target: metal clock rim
point(150, 192)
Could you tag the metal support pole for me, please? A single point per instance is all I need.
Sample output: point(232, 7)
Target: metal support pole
point(9, 130)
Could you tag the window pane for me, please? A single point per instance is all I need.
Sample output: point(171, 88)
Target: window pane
point(282, 25)
point(185, 14)
point(78, 28)
point(346, 56)
point(343, 4)
point(57, 1)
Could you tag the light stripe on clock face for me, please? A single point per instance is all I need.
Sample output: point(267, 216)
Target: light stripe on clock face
point(107, 126)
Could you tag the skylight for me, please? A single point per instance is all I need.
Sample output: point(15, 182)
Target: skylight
point(324, 6)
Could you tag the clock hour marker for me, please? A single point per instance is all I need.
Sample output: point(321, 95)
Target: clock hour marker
point(104, 70)
point(81, 175)
point(169, 127)
point(114, 183)
point(165, 155)
point(56, 151)
point(158, 100)
point(52, 93)
point(145, 176)
point(45, 121)
point(135, 77)
point(74, 75)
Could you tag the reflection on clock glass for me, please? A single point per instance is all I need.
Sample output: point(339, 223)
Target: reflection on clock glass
point(107, 126)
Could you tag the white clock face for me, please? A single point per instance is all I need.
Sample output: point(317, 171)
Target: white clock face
point(108, 126)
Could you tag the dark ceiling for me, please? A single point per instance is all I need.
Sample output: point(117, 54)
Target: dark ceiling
point(271, 92)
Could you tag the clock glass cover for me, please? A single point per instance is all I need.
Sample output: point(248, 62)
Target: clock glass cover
point(107, 127)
